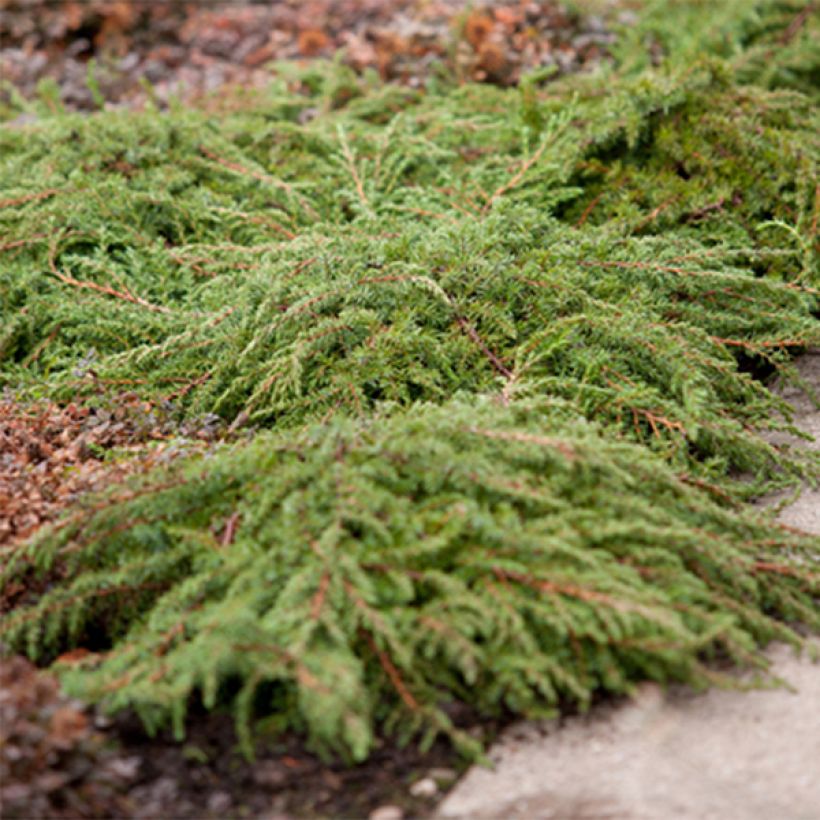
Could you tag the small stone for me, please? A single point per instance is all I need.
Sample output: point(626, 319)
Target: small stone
point(219, 802)
point(426, 787)
point(442, 775)
point(386, 813)
point(26, 118)
point(124, 768)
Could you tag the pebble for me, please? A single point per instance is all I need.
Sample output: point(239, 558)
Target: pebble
point(219, 802)
point(124, 768)
point(443, 775)
point(426, 787)
point(386, 813)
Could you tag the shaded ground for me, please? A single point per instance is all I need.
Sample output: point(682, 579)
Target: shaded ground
point(208, 778)
point(159, 50)
point(751, 755)
point(59, 759)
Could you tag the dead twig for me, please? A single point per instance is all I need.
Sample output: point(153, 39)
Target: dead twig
point(392, 673)
point(796, 24)
point(588, 210)
point(654, 213)
point(494, 360)
point(19, 243)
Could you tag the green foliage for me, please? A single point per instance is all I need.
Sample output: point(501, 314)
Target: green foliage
point(770, 42)
point(505, 345)
point(376, 571)
point(615, 255)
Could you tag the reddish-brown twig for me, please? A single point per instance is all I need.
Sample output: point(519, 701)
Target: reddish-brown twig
point(260, 177)
point(515, 180)
point(21, 200)
point(125, 295)
point(392, 673)
point(319, 597)
point(588, 210)
point(19, 243)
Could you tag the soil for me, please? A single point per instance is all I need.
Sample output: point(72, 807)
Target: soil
point(208, 778)
point(61, 759)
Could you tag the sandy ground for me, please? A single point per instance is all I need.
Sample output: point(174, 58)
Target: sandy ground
point(722, 755)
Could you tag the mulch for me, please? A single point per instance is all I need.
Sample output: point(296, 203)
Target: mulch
point(50, 455)
point(148, 50)
point(53, 761)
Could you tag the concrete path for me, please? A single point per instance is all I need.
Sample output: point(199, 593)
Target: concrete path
point(716, 756)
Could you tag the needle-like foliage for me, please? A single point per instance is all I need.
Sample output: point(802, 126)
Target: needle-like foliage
point(600, 271)
point(383, 569)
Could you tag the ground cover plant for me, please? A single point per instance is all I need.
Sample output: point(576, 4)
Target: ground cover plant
point(496, 357)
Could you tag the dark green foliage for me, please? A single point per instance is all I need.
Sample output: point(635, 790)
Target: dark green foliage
point(377, 571)
point(631, 249)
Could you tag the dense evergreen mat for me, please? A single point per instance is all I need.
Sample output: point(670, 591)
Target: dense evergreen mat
point(467, 552)
point(500, 355)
